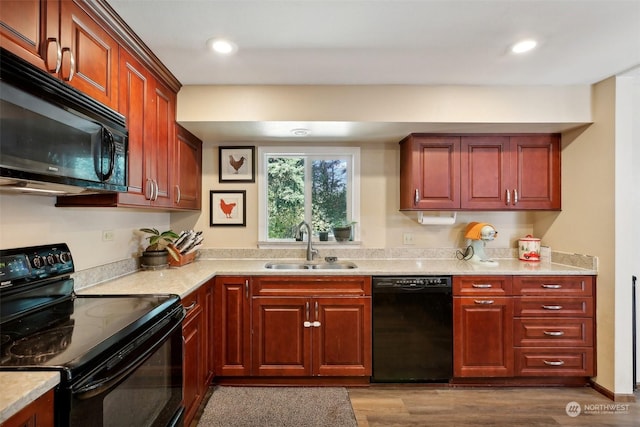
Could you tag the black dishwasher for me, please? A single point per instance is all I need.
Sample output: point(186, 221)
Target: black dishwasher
point(412, 329)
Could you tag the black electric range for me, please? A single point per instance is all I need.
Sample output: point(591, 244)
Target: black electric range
point(107, 348)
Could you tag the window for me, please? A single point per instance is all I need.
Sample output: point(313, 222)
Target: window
point(319, 185)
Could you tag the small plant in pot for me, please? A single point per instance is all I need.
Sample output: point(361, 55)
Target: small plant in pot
point(322, 227)
point(342, 231)
point(160, 247)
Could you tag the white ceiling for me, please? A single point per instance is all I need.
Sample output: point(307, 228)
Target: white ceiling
point(430, 42)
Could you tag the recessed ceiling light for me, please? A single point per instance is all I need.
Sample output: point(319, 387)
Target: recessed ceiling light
point(524, 46)
point(300, 132)
point(222, 46)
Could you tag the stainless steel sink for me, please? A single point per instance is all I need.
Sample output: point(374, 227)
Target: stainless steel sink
point(310, 266)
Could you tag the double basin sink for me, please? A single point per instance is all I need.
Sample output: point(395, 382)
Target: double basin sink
point(310, 265)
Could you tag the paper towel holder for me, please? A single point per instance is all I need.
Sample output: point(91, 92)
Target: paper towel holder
point(436, 220)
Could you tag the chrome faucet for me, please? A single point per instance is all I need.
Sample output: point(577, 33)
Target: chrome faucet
point(310, 251)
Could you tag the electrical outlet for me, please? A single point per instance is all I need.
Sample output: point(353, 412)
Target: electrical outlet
point(408, 238)
point(108, 235)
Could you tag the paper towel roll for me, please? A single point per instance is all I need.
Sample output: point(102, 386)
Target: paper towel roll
point(436, 220)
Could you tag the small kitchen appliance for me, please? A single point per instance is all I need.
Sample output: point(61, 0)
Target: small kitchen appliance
point(529, 249)
point(479, 233)
point(119, 356)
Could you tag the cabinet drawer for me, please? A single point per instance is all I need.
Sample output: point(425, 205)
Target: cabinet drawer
point(482, 285)
point(554, 307)
point(553, 285)
point(554, 362)
point(311, 285)
point(549, 332)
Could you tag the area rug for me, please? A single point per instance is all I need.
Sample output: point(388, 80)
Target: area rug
point(278, 407)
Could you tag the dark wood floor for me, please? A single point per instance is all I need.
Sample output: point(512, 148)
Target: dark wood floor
point(400, 406)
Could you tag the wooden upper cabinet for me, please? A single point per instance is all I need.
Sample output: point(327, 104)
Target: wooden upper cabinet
point(480, 172)
point(188, 170)
point(30, 29)
point(430, 172)
point(89, 55)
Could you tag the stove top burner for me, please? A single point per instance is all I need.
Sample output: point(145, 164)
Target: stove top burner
point(38, 348)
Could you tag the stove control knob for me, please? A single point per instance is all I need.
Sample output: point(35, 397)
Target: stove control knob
point(37, 262)
point(51, 259)
point(65, 257)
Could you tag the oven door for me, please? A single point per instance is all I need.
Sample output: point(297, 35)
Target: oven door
point(140, 385)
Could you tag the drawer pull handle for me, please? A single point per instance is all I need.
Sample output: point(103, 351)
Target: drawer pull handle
point(483, 301)
point(481, 285)
point(554, 362)
point(307, 324)
point(552, 307)
point(193, 304)
point(554, 333)
point(549, 286)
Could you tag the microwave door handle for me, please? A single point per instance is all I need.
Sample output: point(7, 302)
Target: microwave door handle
point(107, 383)
point(107, 137)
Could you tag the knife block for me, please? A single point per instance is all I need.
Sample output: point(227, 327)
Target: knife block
point(183, 259)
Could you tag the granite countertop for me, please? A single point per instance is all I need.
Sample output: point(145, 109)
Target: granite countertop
point(183, 280)
point(24, 387)
point(21, 388)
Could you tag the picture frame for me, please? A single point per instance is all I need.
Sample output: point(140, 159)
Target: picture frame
point(227, 208)
point(236, 164)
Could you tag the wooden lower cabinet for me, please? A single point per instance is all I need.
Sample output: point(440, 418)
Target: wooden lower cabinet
point(311, 336)
point(293, 326)
point(483, 336)
point(231, 326)
point(38, 413)
point(524, 326)
point(197, 340)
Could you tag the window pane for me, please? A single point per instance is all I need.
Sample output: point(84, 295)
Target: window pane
point(285, 196)
point(328, 193)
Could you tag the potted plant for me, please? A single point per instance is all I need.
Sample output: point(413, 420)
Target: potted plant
point(342, 231)
point(322, 227)
point(159, 248)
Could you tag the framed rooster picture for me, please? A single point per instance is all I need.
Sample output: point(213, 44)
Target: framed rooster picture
point(236, 164)
point(227, 208)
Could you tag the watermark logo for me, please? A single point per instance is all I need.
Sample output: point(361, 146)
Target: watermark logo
point(573, 409)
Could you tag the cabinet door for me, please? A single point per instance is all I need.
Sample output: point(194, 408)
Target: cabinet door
point(89, 55)
point(192, 372)
point(485, 172)
point(38, 413)
point(430, 172)
point(30, 29)
point(160, 164)
point(536, 171)
point(210, 342)
point(188, 170)
point(232, 327)
point(282, 336)
point(483, 337)
point(135, 94)
point(342, 336)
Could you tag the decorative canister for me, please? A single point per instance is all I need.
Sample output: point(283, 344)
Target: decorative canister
point(529, 248)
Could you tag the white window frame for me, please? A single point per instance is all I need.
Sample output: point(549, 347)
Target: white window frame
point(353, 192)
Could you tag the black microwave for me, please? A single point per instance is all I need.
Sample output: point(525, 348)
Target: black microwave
point(53, 137)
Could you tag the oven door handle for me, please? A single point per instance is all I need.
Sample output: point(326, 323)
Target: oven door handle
point(105, 384)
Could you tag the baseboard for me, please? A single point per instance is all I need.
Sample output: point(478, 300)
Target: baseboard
point(616, 397)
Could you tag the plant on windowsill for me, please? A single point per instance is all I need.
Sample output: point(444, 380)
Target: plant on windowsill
point(160, 247)
point(343, 231)
point(322, 227)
